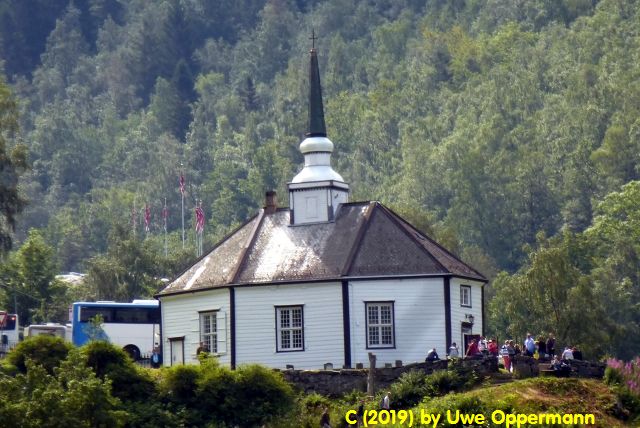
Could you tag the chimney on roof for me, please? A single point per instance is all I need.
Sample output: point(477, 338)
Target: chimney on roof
point(270, 202)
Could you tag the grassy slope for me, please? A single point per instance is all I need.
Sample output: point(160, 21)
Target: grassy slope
point(537, 395)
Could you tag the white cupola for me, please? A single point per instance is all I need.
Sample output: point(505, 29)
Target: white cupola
point(316, 192)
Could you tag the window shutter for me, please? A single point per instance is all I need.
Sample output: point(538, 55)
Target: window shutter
point(221, 319)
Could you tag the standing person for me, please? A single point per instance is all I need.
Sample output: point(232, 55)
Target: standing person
point(386, 401)
point(506, 355)
point(551, 345)
point(155, 357)
point(472, 350)
point(454, 352)
point(324, 419)
point(529, 346)
point(360, 414)
point(202, 348)
point(482, 346)
point(493, 347)
point(542, 348)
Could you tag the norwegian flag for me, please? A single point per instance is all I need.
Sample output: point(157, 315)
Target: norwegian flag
point(181, 182)
point(199, 219)
point(147, 217)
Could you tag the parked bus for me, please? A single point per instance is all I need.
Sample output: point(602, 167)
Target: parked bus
point(10, 331)
point(50, 329)
point(133, 326)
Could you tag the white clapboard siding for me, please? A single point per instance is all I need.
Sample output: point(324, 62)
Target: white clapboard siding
point(458, 311)
point(418, 316)
point(322, 319)
point(180, 317)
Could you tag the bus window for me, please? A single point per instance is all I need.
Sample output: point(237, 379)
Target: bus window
point(88, 313)
point(10, 323)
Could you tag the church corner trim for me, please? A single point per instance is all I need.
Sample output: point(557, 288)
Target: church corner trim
point(346, 324)
point(447, 311)
point(232, 326)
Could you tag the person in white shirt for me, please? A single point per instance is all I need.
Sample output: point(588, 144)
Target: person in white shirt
point(454, 352)
point(567, 354)
point(386, 401)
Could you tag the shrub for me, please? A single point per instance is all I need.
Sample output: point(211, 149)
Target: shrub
point(442, 382)
point(130, 382)
point(613, 376)
point(313, 401)
point(267, 391)
point(409, 390)
point(626, 378)
point(47, 351)
point(180, 383)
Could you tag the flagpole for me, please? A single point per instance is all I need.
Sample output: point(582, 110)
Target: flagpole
point(182, 199)
point(164, 216)
point(133, 218)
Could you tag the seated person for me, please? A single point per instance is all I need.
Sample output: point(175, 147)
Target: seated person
point(577, 354)
point(432, 355)
point(567, 354)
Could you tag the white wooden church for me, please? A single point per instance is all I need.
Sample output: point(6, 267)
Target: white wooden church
point(323, 280)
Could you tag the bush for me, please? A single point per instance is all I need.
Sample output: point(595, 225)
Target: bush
point(613, 376)
point(47, 351)
point(130, 382)
point(442, 382)
point(409, 390)
point(180, 383)
point(267, 391)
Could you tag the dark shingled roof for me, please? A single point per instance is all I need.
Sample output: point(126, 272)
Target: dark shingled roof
point(366, 239)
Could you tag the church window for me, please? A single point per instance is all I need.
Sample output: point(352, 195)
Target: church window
point(380, 329)
point(289, 328)
point(209, 330)
point(465, 296)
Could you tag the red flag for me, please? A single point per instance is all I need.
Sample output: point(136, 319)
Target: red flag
point(147, 217)
point(199, 219)
point(181, 181)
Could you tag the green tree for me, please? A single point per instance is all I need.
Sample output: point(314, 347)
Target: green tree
point(74, 396)
point(29, 277)
point(13, 162)
point(129, 270)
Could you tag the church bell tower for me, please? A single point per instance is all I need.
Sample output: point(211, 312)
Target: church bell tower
point(317, 190)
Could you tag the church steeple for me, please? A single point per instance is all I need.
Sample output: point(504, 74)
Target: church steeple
point(316, 110)
point(316, 192)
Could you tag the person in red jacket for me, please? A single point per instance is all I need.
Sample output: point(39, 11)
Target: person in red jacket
point(493, 348)
point(472, 350)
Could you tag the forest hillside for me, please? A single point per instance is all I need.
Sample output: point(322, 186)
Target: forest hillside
point(509, 131)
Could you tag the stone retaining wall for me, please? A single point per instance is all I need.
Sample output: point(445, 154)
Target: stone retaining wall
point(524, 367)
point(338, 382)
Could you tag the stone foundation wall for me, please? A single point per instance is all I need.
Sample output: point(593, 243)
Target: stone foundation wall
point(338, 382)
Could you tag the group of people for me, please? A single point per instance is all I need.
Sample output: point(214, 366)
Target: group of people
point(476, 348)
point(542, 348)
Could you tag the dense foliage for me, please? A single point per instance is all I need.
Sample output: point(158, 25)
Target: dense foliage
point(99, 386)
point(499, 127)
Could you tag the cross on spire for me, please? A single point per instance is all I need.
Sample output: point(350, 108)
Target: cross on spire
point(313, 38)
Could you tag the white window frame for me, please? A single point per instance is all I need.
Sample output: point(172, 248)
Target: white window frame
point(465, 296)
point(287, 329)
point(376, 324)
point(209, 330)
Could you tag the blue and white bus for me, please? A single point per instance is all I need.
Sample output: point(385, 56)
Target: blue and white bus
point(10, 331)
point(135, 327)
